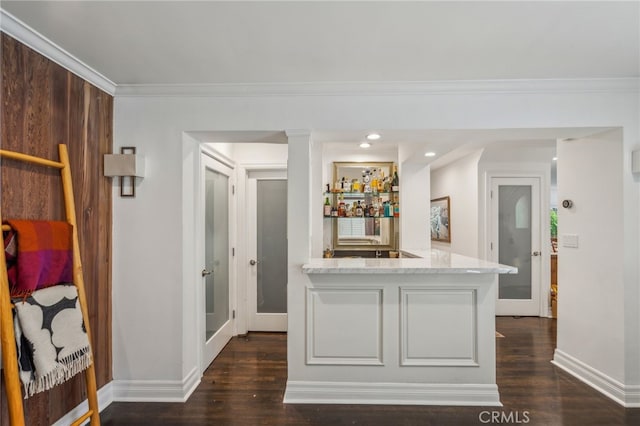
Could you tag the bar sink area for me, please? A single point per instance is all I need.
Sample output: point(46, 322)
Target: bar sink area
point(363, 253)
point(372, 254)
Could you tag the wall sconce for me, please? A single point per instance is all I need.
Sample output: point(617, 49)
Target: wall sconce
point(635, 162)
point(127, 166)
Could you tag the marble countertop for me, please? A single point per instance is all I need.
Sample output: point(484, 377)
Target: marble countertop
point(432, 261)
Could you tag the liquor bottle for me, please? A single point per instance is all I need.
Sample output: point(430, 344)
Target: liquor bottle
point(395, 182)
point(327, 207)
point(366, 182)
point(359, 211)
point(396, 209)
point(374, 180)
point(381, 181)
point(341, 207)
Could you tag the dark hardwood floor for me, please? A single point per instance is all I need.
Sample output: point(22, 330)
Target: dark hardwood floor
point(245, 385)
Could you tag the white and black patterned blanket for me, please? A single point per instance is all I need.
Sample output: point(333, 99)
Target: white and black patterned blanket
point(51, 338)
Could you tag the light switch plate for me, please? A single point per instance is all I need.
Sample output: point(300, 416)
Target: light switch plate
point(570, 240)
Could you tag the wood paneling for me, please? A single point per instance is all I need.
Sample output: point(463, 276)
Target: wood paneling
point(44, 105)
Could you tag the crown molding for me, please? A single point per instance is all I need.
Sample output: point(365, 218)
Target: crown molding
point(17, 29)
point(26, 35)
point(393, 88)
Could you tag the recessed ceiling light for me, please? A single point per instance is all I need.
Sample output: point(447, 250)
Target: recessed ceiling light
point(365, 145)
point(555, 159)
point(373, 136)
point(430, 154)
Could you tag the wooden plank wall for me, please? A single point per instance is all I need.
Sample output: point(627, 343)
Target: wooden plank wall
point(42, 105)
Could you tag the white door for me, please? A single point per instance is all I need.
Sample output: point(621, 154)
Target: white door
point(216, 270)
point(516, 241)
point(267, 249)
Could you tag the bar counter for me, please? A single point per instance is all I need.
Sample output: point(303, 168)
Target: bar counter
point(419, 329)
point(410, 262)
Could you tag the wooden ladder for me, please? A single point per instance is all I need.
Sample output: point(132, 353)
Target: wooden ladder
point(7, 337)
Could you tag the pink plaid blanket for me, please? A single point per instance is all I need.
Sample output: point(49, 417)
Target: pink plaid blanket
point(39, 254)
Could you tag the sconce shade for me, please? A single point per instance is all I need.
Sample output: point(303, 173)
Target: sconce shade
point(635, 161)
point(124, 165)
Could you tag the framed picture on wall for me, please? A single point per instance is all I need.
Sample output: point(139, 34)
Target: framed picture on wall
point(440, 220)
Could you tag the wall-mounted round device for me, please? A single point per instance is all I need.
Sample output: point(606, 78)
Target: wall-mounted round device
point(567, 204)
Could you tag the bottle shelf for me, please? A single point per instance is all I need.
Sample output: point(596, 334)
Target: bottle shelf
point(358, 194)
point(361, 217)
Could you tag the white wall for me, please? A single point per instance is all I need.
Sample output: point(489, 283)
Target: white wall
point(459, 181)
point(152, 285)
point(415, 201)
point(258, 154)
point(592, 328)
point(415, 182)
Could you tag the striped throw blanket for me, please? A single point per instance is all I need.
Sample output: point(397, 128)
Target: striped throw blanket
point(52, 342)
point(39, 254)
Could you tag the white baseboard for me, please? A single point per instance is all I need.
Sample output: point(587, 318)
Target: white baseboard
point(156, 390)
point(137, 390)
point(625, 395)
point(303, 392)
point(105, 398)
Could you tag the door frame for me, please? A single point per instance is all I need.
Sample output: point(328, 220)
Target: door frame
point(270, 173)
point(200, 251)
point(520, 170)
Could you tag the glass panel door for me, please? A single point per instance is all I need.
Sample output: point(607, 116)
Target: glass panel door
point(216, 251)
point(215, 215)
point(516, 242)
point(272, 247)
point(267, 266)
point(514, 234)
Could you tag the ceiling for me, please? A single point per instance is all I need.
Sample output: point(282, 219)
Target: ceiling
point(203, 42)
point(214, 42)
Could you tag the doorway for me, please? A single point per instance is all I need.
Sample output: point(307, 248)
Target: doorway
point(216, 190)
point(516, 241)
point(267, 250)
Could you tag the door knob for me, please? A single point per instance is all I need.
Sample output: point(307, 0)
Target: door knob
point(206, 272)
point(536, 253)
point(253, 262)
